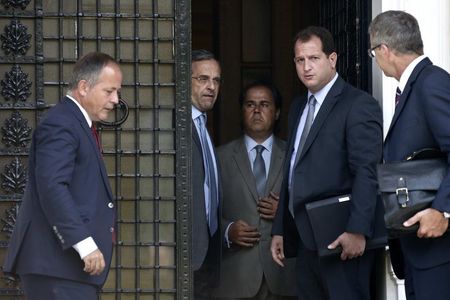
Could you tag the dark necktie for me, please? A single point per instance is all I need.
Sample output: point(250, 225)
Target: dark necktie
point(97, 140)
point(259, 170)
point(308, 123)
point(398, 93)
point(210, 175)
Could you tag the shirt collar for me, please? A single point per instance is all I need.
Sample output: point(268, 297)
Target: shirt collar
point(250, 143)
point(195, 112)
point(83, 111)
point(408, 71)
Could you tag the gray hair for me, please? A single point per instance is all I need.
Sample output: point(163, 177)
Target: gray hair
point(398, 30)
point(89, 68)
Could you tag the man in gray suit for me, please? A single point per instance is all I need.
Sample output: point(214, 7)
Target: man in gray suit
point(250, 201)
point(206, 237)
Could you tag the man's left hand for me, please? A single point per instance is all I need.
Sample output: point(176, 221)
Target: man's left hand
point(353, 245)
point(267, 207)
point(432, 223)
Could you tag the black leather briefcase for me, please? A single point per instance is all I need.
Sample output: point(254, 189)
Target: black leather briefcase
point(408, 187)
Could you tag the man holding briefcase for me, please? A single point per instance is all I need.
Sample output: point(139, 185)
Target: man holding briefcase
point(421, 120)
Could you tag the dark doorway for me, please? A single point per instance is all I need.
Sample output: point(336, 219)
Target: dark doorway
point(253, 40)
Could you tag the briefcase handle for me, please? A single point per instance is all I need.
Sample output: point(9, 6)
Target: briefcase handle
point(426, 153)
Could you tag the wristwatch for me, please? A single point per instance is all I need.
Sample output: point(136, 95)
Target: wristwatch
point(446, 215)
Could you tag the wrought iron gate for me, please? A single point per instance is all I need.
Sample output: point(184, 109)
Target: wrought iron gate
point(348, 22)
point(147, 157)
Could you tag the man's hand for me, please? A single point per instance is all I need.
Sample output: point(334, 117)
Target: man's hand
point(94, 263)
point(432, 223)
point(276, 248)
point(267, 207)
point(242, 234)
point(353, 245)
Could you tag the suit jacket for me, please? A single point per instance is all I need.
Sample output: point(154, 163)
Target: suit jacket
point(243, 269)
point(67, 199)
point(421, 120)
point(339, 156)
point(206, 250)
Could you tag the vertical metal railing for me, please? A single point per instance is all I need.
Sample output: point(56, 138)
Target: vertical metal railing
point(348, 22)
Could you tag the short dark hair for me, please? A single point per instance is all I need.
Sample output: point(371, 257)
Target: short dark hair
point(89, 68)
point(322, 33)
point(277, 98)
point(398, 30)
point(202, 54)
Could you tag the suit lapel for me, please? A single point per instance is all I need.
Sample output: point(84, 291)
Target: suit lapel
point(276, 164)
point(240, 157)
point(405, 93)
point(325, 109)
point(195, 136)
point(79, 115)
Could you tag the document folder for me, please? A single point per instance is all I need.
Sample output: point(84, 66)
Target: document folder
point(329, 217)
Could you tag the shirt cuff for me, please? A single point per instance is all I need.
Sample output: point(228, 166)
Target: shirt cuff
point(226, 235)
point(85, 247)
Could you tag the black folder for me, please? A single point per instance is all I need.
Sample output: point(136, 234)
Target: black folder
point(328, 218)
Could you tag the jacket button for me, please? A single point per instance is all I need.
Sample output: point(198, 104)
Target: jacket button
point(110, 205)
point(111, 229)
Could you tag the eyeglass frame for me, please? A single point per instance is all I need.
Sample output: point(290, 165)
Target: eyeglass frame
point(204, 79)
point(371, 51)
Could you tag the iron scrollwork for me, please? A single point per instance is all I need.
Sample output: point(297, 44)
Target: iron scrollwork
point(15, 40)
point(15, 177)
point(123, 111)
point(16, 86)
point(16, 3)
point(16, 132)
point(10, 220)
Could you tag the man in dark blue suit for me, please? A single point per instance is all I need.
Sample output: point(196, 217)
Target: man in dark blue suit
point(334, 144)
point(421, 120)
point(206, 238)
point(61, 246)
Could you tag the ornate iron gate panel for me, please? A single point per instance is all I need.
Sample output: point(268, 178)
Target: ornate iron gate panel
point(348, 22)
point(147, 157)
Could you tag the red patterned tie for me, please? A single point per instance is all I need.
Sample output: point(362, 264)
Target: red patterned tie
point(398, 93)
point(97, 140)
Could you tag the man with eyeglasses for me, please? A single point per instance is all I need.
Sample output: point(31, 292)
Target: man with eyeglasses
point(421, 120)
point(251, 172)
point(206, 237)
point(335, 142)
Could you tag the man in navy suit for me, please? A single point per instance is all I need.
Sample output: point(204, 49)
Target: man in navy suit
point(61, 246)
point(334, 145)
point(421, 120)
point(206, 238)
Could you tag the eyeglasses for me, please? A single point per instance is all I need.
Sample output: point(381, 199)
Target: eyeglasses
point(251, 105)
point(371, 51)
point(203, 80)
